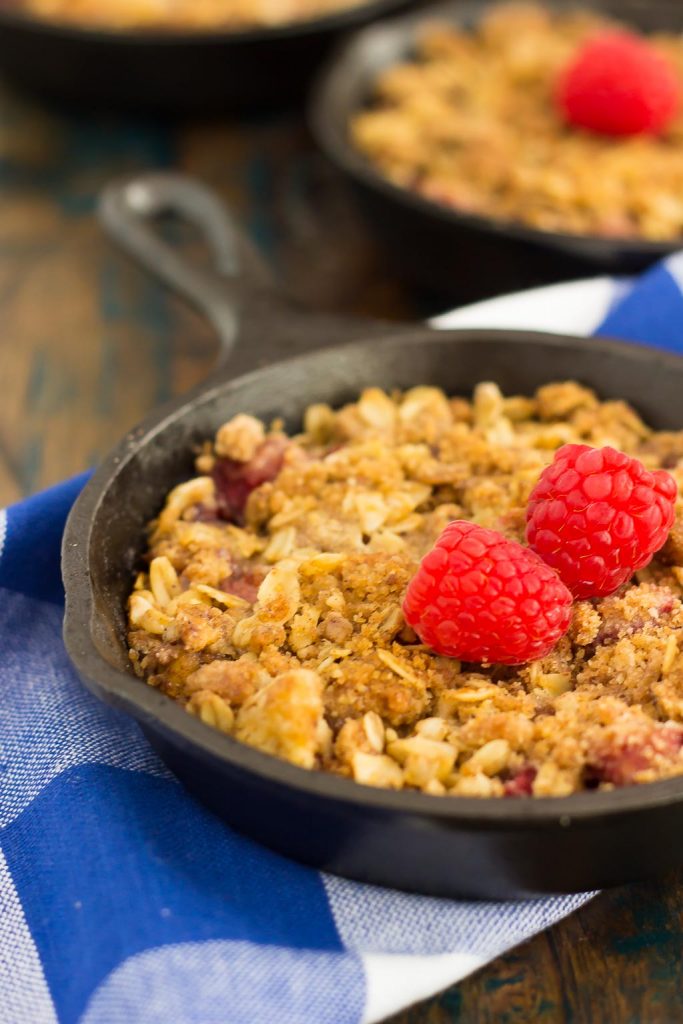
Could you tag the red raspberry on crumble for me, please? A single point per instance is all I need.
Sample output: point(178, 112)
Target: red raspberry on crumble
point(482, 598)
point(597, 515)
point(618, 84)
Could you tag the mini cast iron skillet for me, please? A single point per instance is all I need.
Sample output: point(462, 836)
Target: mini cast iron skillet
point(171, 72)
point(458, 254)
point(442, 846)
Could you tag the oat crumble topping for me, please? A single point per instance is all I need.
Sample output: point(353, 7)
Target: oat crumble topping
point(270, 605)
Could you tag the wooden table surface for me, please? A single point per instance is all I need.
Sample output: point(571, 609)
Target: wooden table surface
point(88, 344)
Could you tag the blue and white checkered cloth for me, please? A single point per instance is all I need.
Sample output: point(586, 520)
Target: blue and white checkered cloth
point(122, 901)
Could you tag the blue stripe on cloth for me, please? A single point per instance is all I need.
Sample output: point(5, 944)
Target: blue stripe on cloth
point(30, 556)
point(143, 865)
point(651, 313)
point(48, 720)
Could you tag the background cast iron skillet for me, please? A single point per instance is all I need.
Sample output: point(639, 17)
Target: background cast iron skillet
point(443, 846)
point(171, 72)
point(457, 254)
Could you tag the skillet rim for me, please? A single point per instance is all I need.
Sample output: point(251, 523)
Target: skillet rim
point(24, 21)
point(148, 706)
point(331, 135)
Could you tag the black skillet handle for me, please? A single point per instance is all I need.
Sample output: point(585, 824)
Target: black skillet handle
point(238, 278)
point(256, 323)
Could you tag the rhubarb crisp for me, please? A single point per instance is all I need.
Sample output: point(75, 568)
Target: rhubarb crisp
point(270, 603)
point(471, 120)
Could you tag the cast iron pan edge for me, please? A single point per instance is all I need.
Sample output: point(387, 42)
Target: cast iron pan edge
point(453, 846)
point(170, 72)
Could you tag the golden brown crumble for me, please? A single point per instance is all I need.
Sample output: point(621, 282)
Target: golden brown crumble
point(472, 123)
point(283, 627)
point(185, 15)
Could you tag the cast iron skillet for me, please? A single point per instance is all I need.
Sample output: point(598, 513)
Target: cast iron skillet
point(171, 72)
point(458, 254)
point(442, 846)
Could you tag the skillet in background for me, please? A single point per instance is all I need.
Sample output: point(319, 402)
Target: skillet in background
point(172, 72)
point(459, 255)
point(445, 846)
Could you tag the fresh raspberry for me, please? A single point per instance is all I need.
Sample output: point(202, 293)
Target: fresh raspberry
point(597, 515)
point(481, 597)
point(619, 85)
